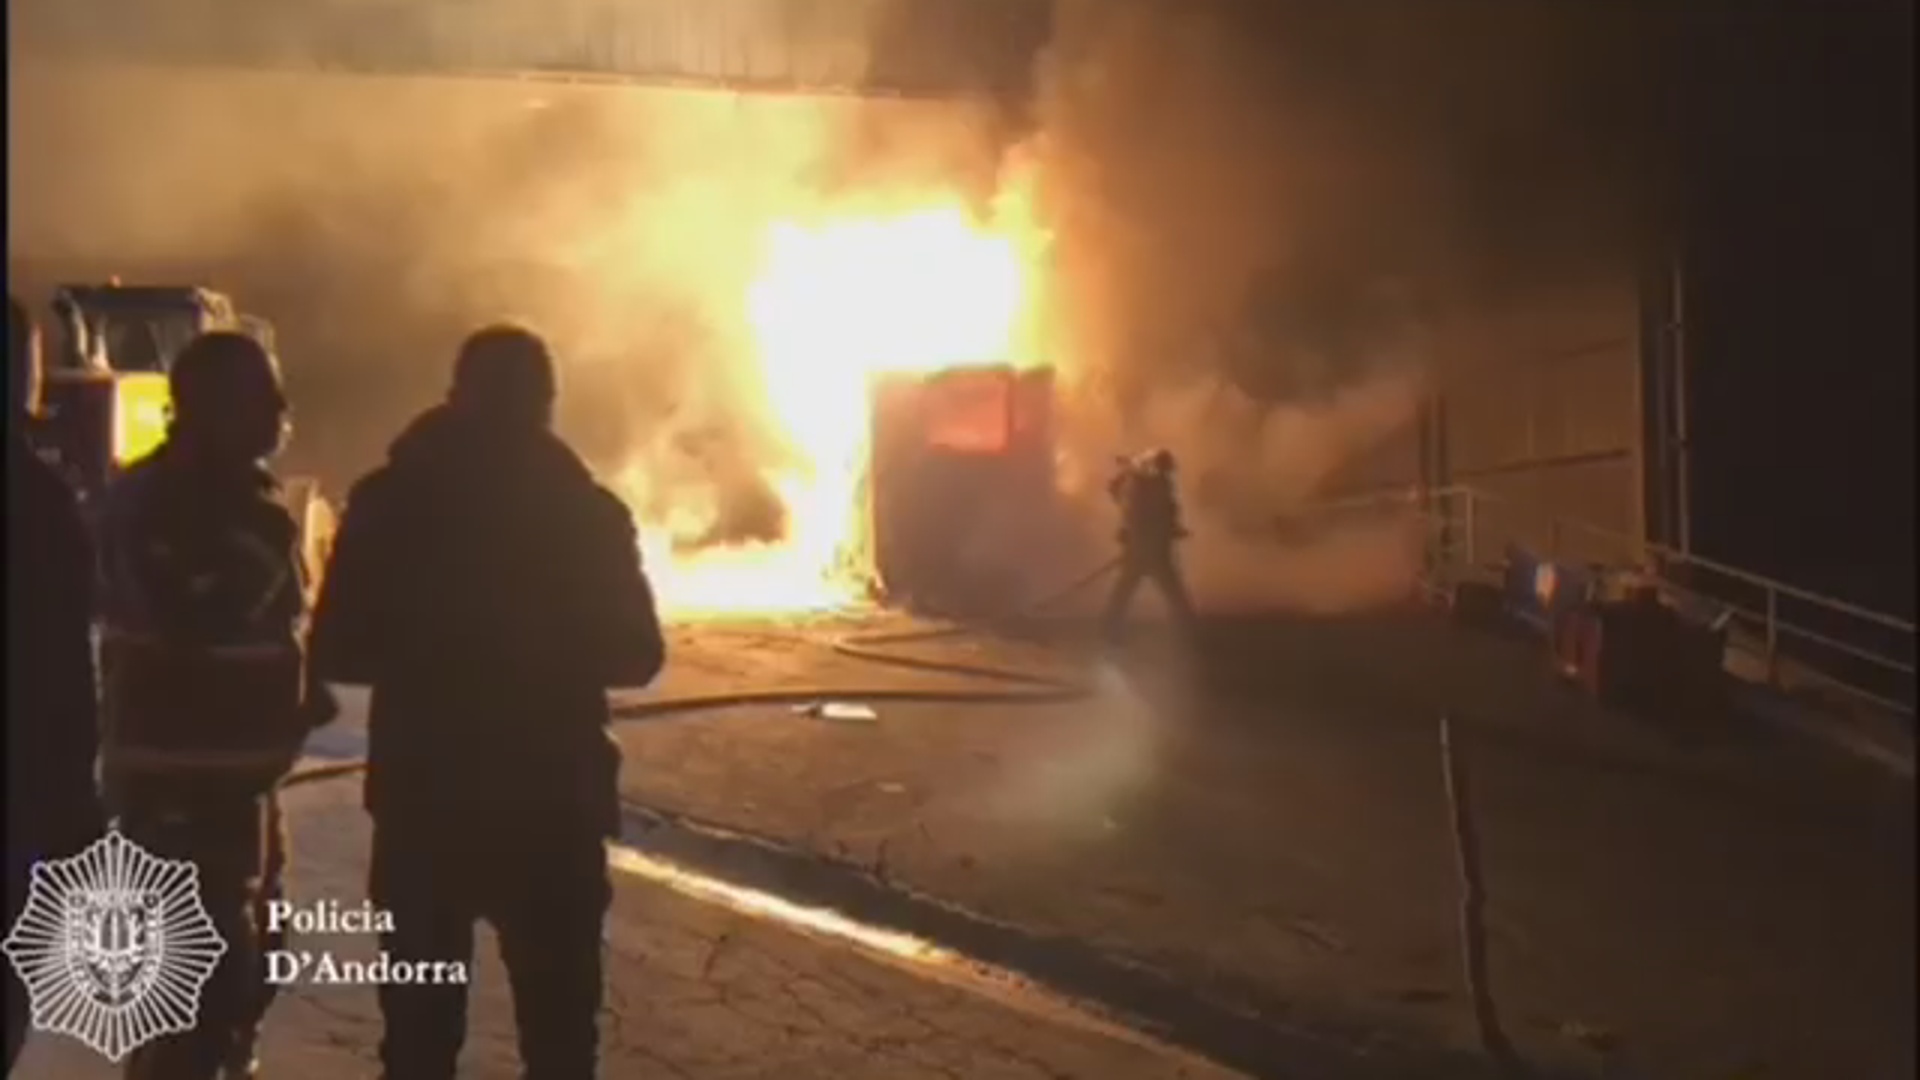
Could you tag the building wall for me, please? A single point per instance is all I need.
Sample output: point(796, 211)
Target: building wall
point(1539, 406)
point(1540, 401)
point(934, 48)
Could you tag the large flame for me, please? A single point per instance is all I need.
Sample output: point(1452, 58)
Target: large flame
point(835, 302)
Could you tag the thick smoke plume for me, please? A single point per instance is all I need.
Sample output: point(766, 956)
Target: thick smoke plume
point(1260, 222)
point(1270, 216)
point(376, 221)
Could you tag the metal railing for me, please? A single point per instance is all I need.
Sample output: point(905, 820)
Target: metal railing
point(1782, 635)
point(1795, 637)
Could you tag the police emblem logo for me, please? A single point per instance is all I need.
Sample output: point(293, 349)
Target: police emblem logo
point(114, 946)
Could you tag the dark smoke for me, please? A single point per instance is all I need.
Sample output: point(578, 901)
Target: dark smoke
point(1216, 157)
point(1264, 215)
point(1269, 215)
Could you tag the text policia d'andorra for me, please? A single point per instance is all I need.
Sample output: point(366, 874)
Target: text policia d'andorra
point(330, 918)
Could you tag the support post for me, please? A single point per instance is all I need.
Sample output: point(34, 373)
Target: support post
point(1682, 429)
point(1773, 636)
point(1469, 527)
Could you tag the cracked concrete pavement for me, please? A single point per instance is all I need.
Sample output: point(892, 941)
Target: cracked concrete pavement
point(694, 991)
point(1708, 899)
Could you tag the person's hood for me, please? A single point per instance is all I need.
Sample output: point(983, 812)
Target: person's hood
point(442, 441)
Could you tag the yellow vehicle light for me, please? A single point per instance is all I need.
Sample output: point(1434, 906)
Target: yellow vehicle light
point(141, 408)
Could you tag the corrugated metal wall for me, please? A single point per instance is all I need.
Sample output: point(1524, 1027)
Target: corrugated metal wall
point(1540, 408)
point(905, 47)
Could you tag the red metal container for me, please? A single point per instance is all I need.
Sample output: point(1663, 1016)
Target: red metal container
point(962, 484)
point(1642, 657)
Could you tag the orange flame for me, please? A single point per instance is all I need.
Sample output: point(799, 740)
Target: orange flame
point(836, 302)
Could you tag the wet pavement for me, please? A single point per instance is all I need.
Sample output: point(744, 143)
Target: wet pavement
point(696, 990)
point(1242, 848)
point(1266, 825)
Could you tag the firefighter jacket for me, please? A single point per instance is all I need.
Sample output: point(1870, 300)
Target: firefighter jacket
point(490, 593)
point(201, 645)
point(1149, 507)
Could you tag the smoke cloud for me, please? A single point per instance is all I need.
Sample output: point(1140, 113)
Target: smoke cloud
point(377, 220)
point(1269, 216)
point(1261, 216)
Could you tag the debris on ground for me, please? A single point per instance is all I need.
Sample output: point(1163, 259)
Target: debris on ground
point(845, 712)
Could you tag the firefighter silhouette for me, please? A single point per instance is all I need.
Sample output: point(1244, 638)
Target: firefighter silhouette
point(1150, 529)
point(205, 691)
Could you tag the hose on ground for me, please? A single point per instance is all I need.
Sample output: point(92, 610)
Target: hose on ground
point(1030, 688)
point(1473, 900)
point(1024, 687)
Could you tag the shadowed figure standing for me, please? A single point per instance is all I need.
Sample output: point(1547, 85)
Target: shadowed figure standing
point(1150, 527)
point(490, 593)
point(53, 804)
point(207, 694)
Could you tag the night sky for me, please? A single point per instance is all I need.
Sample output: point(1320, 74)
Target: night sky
point(1796, 138)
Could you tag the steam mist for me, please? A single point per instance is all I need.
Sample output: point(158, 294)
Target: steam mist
point(1268, 218)
point(1258, 224)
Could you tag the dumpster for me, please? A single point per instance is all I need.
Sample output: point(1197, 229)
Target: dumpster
point(961, 485)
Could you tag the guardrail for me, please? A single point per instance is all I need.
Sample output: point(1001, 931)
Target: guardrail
point(1797, 635)
point(1792, 637)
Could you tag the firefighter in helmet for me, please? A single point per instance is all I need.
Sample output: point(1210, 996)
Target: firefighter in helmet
point(1150, 527)
point(207, 699)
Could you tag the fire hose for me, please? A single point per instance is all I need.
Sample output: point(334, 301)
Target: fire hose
point(1023, 687)
point(1027, 688)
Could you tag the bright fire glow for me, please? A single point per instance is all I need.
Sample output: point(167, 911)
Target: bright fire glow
point(140, 410)
point(835, 302)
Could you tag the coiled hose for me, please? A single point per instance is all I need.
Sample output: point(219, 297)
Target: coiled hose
point(1024, 687)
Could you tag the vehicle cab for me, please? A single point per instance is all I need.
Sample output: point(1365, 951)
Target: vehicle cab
point(105, 400)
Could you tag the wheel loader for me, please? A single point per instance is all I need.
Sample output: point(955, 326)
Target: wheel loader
point(105, 403)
